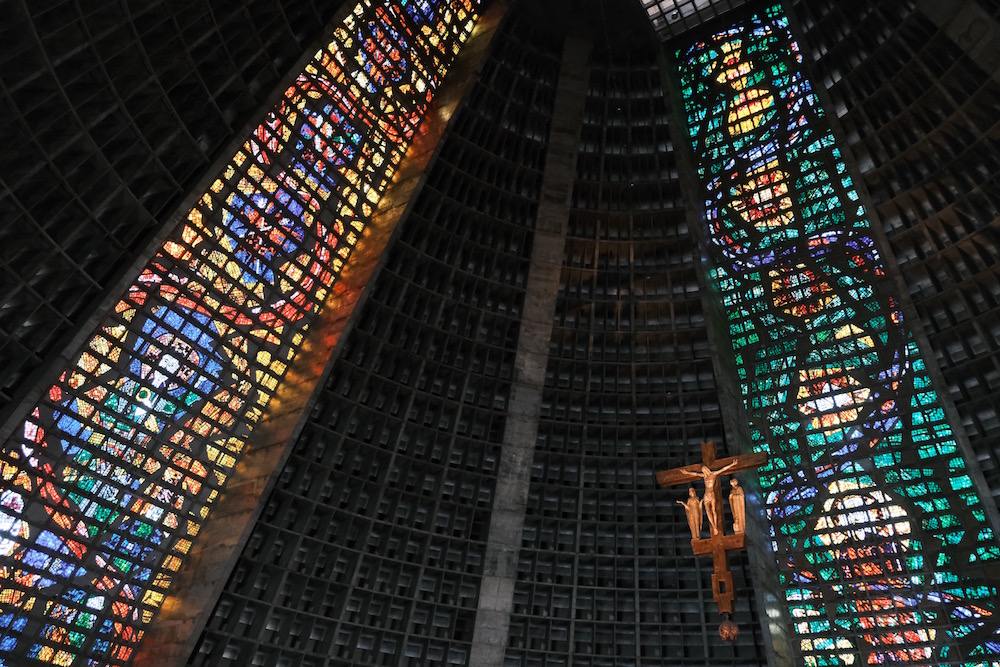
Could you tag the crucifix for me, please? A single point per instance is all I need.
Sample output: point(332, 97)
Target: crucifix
point(718, 543)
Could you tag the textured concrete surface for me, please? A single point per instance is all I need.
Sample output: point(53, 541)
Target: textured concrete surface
point(496, 594)
point(969, 26)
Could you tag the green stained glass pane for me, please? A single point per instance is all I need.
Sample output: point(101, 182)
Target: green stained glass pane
point(835, 385)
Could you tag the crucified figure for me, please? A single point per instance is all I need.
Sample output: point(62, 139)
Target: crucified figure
point(713, 494)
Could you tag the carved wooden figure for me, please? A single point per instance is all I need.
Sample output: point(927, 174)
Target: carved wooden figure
point(718, 543)
point(737, 505)
point(713, 494)
point(692, 507)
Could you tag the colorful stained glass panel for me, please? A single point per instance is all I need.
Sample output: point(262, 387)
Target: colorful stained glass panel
point(883, 550)
point(109, 479)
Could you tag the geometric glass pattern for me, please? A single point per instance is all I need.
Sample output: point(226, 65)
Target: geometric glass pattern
point(106, 484)
point(883, 548)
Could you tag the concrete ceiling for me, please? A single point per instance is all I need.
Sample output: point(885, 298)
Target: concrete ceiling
point(673, 17)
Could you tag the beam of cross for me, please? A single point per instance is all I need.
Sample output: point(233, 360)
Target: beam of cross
point(718, 543)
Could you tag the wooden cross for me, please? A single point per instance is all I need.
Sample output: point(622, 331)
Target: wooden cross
point(718, 543)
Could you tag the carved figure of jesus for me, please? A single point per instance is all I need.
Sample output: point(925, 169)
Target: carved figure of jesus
point(692, 508)
point(713, 494)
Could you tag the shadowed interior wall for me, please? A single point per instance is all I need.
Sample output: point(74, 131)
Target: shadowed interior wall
point(630, 388)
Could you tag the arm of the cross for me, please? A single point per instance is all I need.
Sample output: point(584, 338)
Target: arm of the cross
point(684, 474)
point(743, 462)
point(678, 475)
point(731, 464)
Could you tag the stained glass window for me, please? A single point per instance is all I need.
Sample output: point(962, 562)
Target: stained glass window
point(107, 482)
point(880, 536)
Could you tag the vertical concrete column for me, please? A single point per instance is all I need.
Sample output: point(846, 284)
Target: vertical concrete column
point(496, 593)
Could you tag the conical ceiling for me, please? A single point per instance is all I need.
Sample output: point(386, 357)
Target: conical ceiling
point(672, 17)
